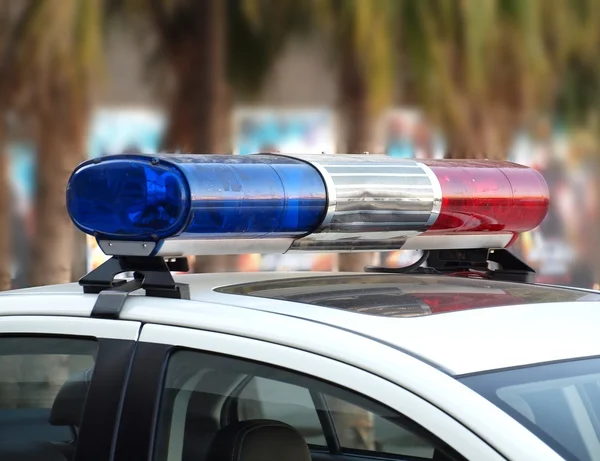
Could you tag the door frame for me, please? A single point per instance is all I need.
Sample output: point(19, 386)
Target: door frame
point(156, 342)
point(116, 345)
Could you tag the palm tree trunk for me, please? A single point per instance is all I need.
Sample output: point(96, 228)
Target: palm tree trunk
point(200, 109)
point(6, 255)
point(60, 146)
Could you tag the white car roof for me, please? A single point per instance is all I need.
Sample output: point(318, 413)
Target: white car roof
point(562, 324)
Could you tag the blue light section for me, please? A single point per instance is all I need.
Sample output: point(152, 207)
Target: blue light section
point(130, 197)
point(252, 196)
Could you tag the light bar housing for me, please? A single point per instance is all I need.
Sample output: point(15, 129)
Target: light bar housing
point(178, 205)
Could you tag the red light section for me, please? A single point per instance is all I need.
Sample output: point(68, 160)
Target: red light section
point(485, 196)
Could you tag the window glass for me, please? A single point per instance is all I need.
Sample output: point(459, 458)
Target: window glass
point(205, 392)
point(269, 399)
point(42, 389)
point(559, 402)
point(360, 429)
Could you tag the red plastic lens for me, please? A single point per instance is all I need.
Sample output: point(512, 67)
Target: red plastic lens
point(489, 197)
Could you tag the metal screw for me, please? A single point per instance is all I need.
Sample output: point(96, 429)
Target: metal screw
point(154, 161)
point(154, 237)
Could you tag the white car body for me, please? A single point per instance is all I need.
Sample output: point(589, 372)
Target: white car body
point(407, 364)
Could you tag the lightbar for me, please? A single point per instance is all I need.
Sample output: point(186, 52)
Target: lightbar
point(177, 205)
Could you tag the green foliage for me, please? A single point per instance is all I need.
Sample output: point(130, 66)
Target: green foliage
point(526, 56)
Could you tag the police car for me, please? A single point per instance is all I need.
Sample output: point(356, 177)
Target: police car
point(456, 357)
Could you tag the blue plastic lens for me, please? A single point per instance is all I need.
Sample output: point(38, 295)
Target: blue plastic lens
point(128, 199)
point(252, 196)
point(226, 196)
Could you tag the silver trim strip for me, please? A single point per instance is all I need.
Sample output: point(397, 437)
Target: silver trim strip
point(380, 212)
point(394, 175)
point(367, 165)
point(381, 186)
point(330, 243)
point(185, 247)
point(458, 241)
point(437, 195)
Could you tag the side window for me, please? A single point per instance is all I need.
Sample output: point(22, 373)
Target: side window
point(43, 385)
point(204, 393)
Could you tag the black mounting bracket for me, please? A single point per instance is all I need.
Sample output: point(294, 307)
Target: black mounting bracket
point(151, 273)
point(512, 269)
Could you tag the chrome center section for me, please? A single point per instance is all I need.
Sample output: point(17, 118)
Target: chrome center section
point(375, 202)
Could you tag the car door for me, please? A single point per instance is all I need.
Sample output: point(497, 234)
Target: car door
point(61, 385)
point(199, 381)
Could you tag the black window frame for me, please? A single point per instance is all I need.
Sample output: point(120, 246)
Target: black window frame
point(102, 407)
point(139, 422)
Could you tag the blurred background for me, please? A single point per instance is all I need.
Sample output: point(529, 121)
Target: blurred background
point(498, 79)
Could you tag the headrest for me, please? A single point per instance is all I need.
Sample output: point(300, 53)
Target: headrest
point(258, 440)
point(68, 404)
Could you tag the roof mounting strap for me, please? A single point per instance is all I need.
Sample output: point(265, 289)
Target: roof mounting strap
point(149, 273)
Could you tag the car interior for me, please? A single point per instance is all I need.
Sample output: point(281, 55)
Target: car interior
point(208, 417)
point(201, 408)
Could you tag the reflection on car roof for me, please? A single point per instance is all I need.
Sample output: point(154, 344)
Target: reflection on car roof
point(402, 295)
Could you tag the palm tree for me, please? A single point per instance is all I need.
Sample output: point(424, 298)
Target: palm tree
point(5, 199)
point(48, 60)
point(13, 17)
point(578, 105)
point(54, 59)
point(574, 31)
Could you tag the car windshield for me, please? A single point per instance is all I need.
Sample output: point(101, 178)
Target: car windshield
point(559, 402)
